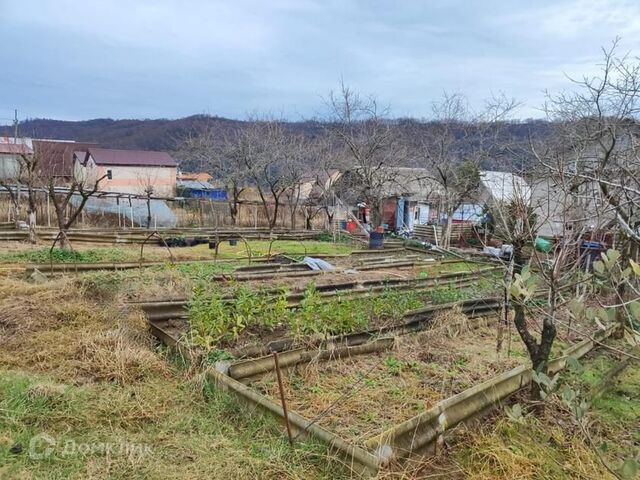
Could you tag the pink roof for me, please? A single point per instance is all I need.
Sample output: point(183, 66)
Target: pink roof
point(106, 156)
point(15, 149)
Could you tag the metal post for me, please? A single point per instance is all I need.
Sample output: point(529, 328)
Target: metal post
point(131, 210)
point(48, 212)
point(282, 398)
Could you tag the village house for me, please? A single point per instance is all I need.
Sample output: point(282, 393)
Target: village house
point(10, 151)
point(127, 171)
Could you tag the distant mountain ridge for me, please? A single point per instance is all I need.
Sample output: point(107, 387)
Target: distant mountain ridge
point(148, 134)
point(167, 135)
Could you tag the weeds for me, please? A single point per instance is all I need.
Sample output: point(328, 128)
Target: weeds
point(58, 255)
point(216, 319)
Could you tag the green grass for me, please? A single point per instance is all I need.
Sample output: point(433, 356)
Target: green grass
point(260, 248)
point(179, 427)
point(549, 445)
point(131, 253)
point(58, 255)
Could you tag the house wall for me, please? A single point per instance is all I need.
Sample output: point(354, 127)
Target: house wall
point(9, 166)
point(130, 179)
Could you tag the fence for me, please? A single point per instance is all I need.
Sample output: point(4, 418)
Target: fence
point(435, 233)
point(190, 212)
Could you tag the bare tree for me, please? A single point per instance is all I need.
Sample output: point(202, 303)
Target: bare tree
point(371, 145)
point(454, 147)
point(146, 182)
point(326, 166)
point(23, 174)
point(598, 150)
point(62, 193)
point(221, 157)
point(270, 154)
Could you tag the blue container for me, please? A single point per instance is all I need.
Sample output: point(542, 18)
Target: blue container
point(376, 241)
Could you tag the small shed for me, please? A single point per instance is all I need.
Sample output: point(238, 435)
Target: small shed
point(200, 189)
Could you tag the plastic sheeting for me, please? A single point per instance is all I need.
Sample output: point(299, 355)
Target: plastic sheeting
point(317, 263)
point(161, 214)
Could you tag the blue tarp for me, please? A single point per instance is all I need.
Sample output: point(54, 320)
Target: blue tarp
point(469, 212)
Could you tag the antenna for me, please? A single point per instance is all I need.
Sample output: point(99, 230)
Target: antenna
point(15, 126)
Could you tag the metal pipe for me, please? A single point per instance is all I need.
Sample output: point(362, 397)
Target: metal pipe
point(282, 398)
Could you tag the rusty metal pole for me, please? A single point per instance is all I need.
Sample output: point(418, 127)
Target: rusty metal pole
point(282, 398)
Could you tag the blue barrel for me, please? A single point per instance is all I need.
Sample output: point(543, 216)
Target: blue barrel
point(376, 241)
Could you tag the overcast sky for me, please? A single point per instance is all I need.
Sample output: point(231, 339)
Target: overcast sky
point(79, 59)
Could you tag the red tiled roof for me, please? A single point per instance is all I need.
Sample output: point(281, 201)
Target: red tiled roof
point(15, 149)
point(105, 156)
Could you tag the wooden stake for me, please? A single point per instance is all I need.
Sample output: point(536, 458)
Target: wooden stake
point(282, 398)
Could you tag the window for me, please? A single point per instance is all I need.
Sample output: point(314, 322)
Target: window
point(109, 175)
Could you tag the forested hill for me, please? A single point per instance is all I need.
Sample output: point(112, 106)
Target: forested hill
point(167, 135)
point(157, 134)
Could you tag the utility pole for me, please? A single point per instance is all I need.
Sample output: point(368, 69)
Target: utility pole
point(15, 126)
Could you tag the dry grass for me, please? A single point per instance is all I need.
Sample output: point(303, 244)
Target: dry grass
point(52, 328)
point(375, 392)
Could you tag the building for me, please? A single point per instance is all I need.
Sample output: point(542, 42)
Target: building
point(409, 196)
point(55, 158)
point(199, 189)
point(495, 187)
point(127, 171)
point(11, 149)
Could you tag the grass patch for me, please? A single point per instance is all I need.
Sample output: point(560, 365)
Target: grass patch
point(174, 428)
point(58, 255)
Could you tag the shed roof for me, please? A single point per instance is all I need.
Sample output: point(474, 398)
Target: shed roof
point(56, 156)
point(134, 158)
point(195, 185)
point(505, 186)
point(15, 149)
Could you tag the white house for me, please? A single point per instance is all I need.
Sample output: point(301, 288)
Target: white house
point(128, 171)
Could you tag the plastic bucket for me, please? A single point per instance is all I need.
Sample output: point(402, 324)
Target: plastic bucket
point(233, 242)
point(376, 240)
point(543, 245)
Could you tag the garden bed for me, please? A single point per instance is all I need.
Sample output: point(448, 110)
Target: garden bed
point(362, 396)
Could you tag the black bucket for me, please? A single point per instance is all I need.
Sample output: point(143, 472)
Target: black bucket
point(376, 241)
point(233, 242)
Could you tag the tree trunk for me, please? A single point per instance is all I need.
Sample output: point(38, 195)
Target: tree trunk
point(63, 240)
point(149, 212)
point(32, 226)
point(274, 220)
point(293, 217)
point(16, 215)
point(233, 211)
point(375, 212)
point(621, 314)
point(446, 234)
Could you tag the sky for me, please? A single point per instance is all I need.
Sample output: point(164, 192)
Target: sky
point(79, 59)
